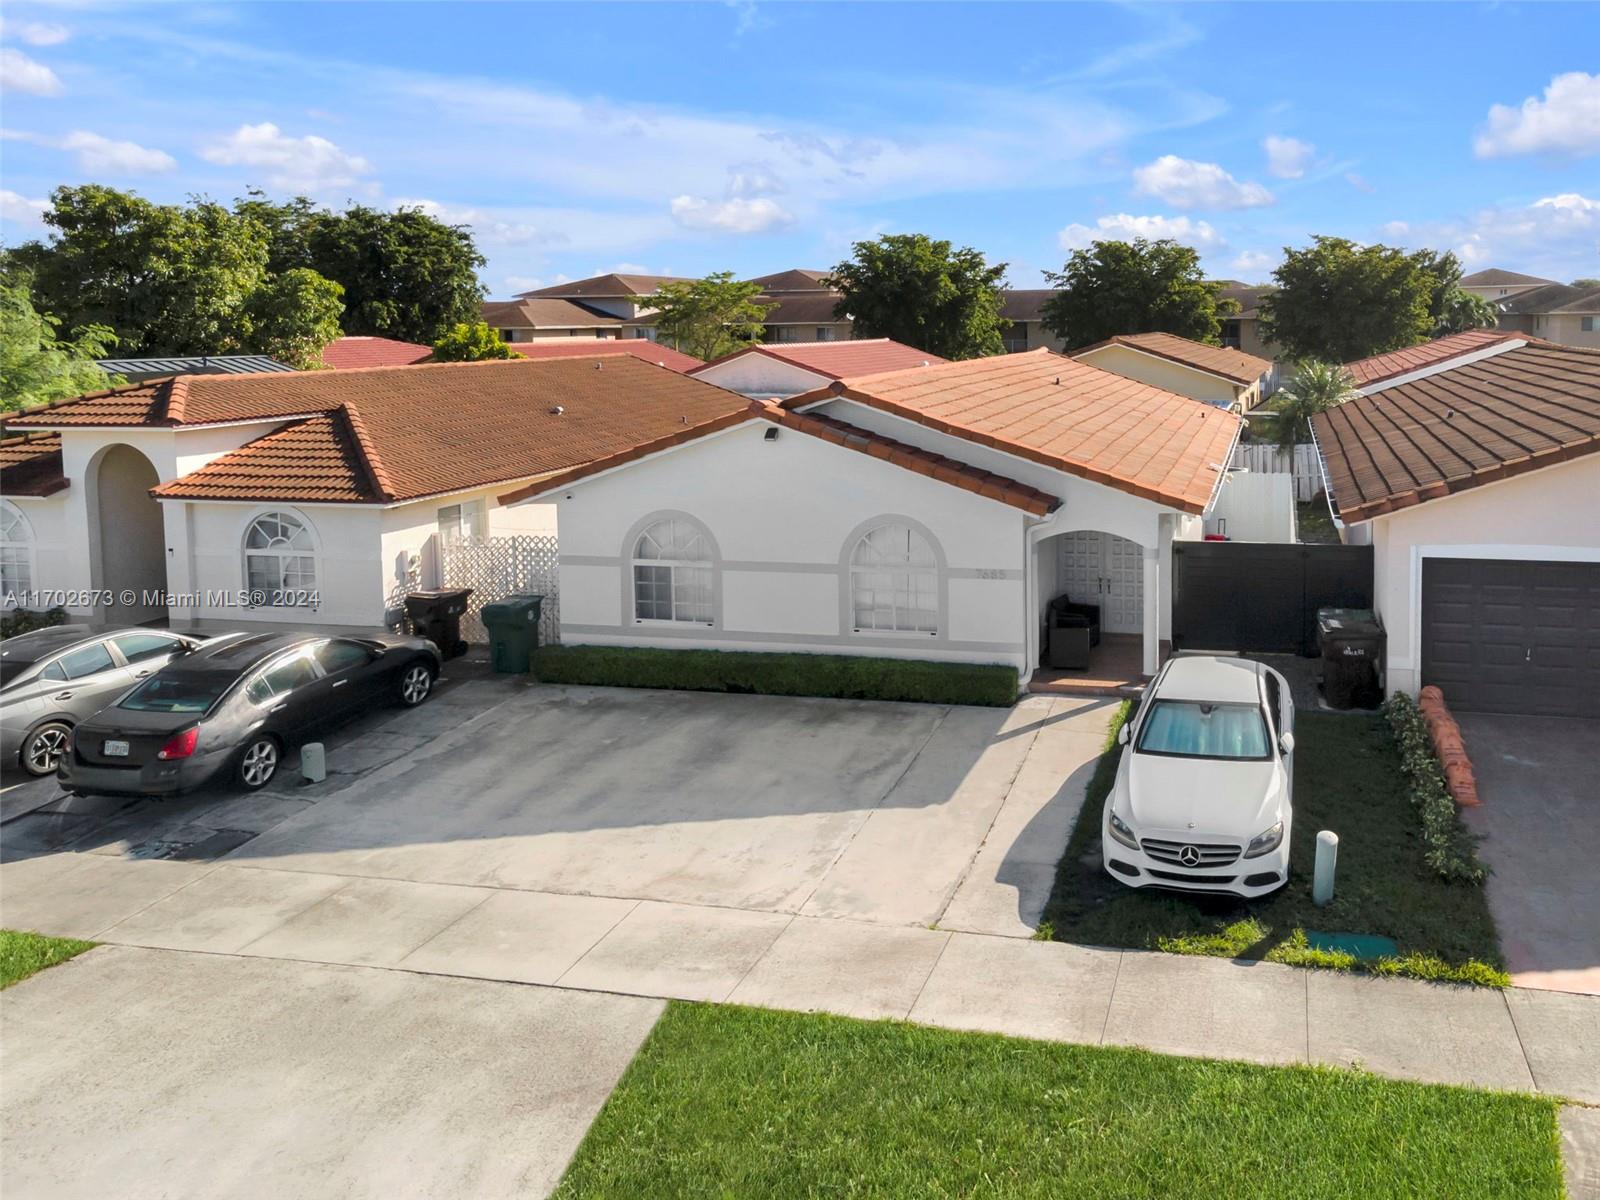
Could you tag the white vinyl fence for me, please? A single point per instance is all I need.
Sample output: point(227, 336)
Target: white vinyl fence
point(495, 568)
point(1266, 459)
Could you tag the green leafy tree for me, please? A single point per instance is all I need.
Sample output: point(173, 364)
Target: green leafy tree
point(1141, 286)
point(708, 317)
point(405, 274)
point(922, 292)
point(1339, 301)
point(169, 279)
point(1586, 283)
point(36, 365)
point(472, 342)
point(293, 316)
point(1460, 311)
point(1316, 387)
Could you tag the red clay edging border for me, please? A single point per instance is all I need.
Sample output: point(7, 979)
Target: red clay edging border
point(1451, 751)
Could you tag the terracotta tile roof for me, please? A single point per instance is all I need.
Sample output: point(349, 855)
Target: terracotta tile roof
point(546, 314)
point(1468, 425)
point(1233, 365)
point(1379, 367)
point(318, 459)
point(579, 347)
point(839, 433)
point(836, 360)
point(424, 429)
point(348, 352)
point(1063, 414)
point(1495, 277)
point(607, 286)
point(30, 465)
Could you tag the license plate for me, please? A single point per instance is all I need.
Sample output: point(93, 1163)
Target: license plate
point(114, 749)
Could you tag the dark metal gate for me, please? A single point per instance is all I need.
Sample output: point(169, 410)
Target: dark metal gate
point(1262, 597)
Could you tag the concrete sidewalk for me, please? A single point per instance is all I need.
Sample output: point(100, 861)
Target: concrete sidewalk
point(1522, 1040)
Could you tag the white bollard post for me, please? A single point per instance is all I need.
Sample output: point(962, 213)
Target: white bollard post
point(1327, 859)
point(314, 762)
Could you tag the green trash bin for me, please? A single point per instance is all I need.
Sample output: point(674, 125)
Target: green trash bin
point(513, 625)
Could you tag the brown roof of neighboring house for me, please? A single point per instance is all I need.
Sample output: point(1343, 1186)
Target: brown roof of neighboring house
point(607, 286)
point(30, 465)
point(1024, 304)
point(1465, 426)
point(1233, 365)
point(416, 431)
point(346, 352)
point(643, 348)
point(835, 360)
point(1378, 367)
point(545, 314)
point(1246, 296)
point(1552, 298)
point(1065, 414)
point(797, 280)
point(1494, 277)
point(801, 308)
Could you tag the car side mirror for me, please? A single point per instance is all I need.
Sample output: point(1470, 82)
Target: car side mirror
point(1123, 735)
point(1286, 743)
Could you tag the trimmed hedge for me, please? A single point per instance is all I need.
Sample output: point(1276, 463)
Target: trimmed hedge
point(1449, 847)
point(839, 676)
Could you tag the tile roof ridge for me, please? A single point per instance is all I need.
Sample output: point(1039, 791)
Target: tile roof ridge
point(367, 451)
point(177, 398)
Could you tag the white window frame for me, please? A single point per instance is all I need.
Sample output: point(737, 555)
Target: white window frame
point(673, 567)
point(905, 582)
point(470, 522)
point(20, 547)
point(311, 552)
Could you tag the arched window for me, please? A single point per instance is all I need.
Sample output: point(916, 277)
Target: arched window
point(672, 573)
point(279, 560)
point(894, 581)
point(16, 553)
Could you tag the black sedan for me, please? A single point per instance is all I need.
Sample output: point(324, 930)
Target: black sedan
point(233, 707)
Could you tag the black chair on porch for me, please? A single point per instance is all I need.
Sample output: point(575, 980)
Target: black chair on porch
point(1071, 631)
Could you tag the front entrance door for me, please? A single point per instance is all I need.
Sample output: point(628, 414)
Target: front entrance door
point(1101, 568)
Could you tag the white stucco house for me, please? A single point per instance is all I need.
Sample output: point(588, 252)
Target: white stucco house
point(1473, 470)
point(302, 497)
point(1219, 375)
point(928, 512)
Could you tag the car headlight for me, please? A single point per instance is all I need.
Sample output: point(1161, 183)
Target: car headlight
point(1123, 832)
point(1265, 842)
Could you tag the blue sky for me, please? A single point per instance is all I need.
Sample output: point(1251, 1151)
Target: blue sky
point(687, 138)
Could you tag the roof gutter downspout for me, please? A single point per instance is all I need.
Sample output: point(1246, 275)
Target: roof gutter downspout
point(1227, 464)
point(1327, 488)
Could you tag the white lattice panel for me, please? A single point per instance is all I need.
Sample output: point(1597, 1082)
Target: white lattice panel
point(495, 568)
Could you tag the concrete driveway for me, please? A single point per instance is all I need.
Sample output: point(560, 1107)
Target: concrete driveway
point(1540, 821)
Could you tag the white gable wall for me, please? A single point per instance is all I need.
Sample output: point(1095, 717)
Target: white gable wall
point(784, 516)
point(1170, 376)
point(757, 374)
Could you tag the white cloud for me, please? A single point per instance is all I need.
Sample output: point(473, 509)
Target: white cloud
point(1184, 183)
point(738, 214)
point(486, 225)
point(1125, 226)
point(1254, 261)
point(35, 33)
point(1566, 121)
point(19, 73)
point(1359, 182)
point(1555, 236)
point(291, 163)
point(17, 207)
point(1287, 157)
point(97, 153)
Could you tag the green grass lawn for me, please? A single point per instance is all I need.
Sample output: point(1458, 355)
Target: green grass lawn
point(1348, 779)
point(1315, 523)
point(730, 1102)
point(24, 954)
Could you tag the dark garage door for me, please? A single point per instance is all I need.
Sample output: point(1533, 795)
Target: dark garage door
point(1514, 637)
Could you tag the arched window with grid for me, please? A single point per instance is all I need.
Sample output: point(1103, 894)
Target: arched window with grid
point(894, 581)
point(674, 570)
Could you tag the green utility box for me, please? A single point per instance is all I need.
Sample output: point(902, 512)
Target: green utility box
point(513, 625)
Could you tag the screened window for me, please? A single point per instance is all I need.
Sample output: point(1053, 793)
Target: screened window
point(894, 581)
point(672, 573)
point(468, 521)
point(16, 551)
point(280, 562)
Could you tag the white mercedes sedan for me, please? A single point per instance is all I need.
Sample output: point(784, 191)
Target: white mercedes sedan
point(1203, 799)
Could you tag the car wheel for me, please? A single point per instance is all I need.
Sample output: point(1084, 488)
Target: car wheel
point(416, 684)
point(46, 746)
point(259, 763)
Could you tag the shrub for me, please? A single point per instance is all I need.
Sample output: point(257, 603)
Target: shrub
point(1449, 848)
point(841, 676)
point(24, 620)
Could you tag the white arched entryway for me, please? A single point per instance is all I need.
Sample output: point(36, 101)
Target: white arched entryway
point(129, 543)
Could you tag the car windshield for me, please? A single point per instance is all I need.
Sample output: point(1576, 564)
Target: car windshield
point(1191, 729)
point(177, 693)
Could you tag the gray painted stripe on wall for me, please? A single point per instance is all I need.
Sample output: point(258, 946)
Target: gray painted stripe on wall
point(998, 574)
point(707, 634)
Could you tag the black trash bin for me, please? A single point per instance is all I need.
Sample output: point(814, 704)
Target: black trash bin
point(513, 625)
point(436, 615)
point(1351, 642)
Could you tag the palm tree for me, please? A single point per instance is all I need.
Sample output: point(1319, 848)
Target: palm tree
point(1316, 387)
